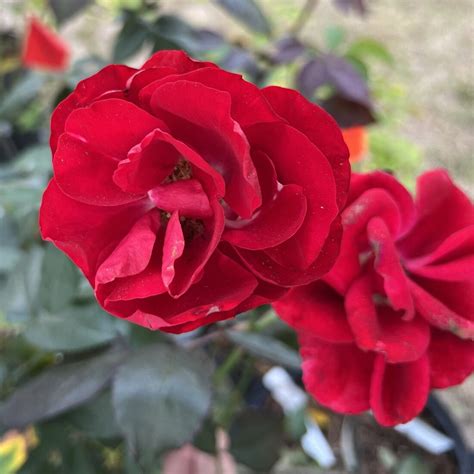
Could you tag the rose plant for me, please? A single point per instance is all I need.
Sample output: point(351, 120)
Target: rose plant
point(187, 195)
point(394, 318)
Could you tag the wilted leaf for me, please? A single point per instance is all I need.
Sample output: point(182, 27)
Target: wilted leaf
point(267, 347)
point(248, 12)
point(74, 329)
point(287, 50)
point(313, 75)
point(256, 438)
point(63, 10)
point(59, 280)
point(161, 396)
point(59, 389)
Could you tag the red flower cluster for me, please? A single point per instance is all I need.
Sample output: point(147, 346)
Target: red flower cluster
point(395, 316)
point(186, 194)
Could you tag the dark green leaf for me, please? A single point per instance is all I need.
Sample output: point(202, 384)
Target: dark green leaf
point(205, 439)
point(357, 6)
point(267, 347)
point(63, 10)
point(59, 389)
point(249, 13)
point(74, 329)
point(161, 396)
point(59, 280)
point(256, 438)
point(312, 75)
point(177, 31)
point(96, 418)
point(287, 50)
point(131, 38)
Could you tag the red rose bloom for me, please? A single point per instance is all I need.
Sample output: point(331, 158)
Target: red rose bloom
point(186, 195)
point(395, 316)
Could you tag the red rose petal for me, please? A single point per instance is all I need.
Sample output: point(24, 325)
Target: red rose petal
point(442, 210)
point(266, 175)
point(453, 260)
point(271, 271)
point(387, 265)
point(399, 392)
point(175, 59)
point(87, 234)
point(279, 141)
point(440, 315)
point(372, 203)
point(132, 255)
point(112, 126)
point(200, 116)
point(223, 286)
point(316, 309)
point(451, 359)
point(198, 251)
point(173, 248)
point(75, 163)
point(380, 328)
point(185, 196)
point(274, 223)
point(337, 375)
point(319, 127)
point(110, 78)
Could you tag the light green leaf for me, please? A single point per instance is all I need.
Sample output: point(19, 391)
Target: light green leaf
point(368, 48)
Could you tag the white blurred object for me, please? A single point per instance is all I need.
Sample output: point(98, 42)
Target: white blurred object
point(292, 398)
point(426, 436)
point(284, 391)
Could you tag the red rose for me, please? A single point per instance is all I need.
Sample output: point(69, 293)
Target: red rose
point(186, 194)
point(395, 316)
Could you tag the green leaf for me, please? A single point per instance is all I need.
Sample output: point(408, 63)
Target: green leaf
point(96, 418)
point(267, 347)
point(59, 389)
point(334, 36)
point(367, 48)
point(24, 91)
point(247, 12)
point(161, 396)
point(59, 280)
point(64, 10)
point(256, 438)
point(131, 37)
point(413, 464)
point(74, 329)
